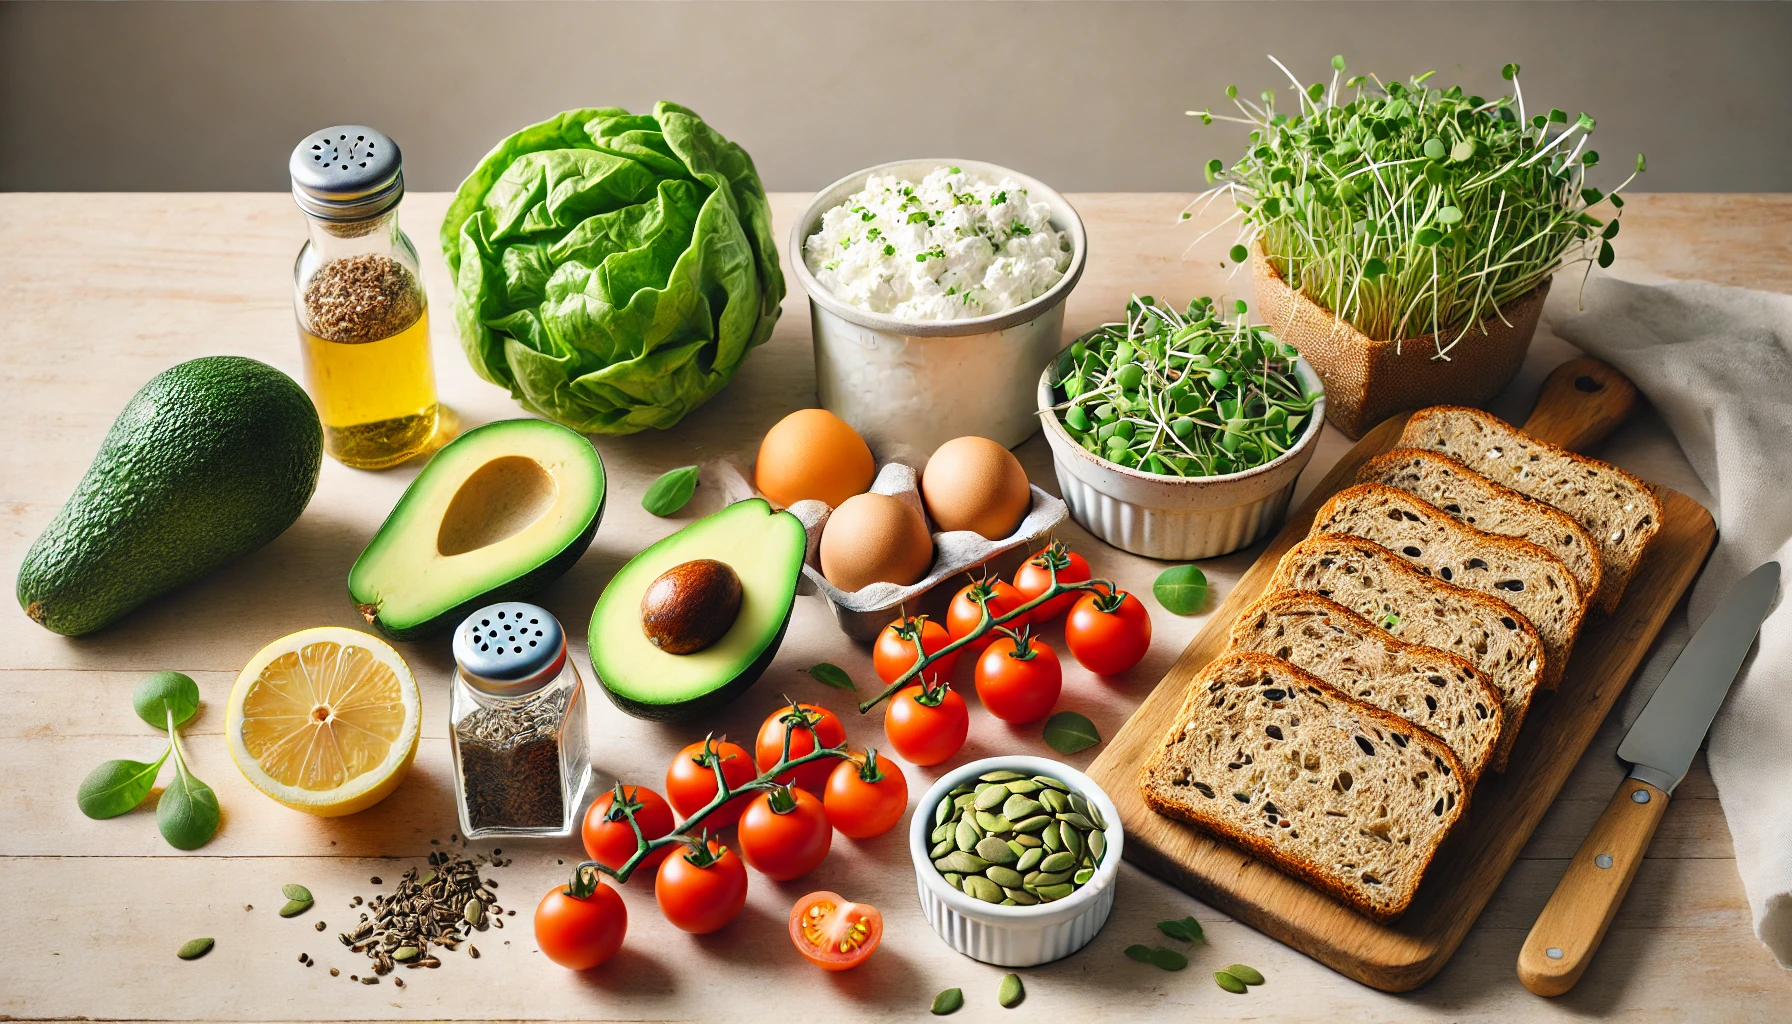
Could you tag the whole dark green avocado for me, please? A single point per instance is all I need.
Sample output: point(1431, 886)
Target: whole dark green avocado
point(208, 461)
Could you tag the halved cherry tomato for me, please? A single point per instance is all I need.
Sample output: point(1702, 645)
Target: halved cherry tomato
point(1108, 631)
point(1034, 578)
point(701, 889)
point(821, 724)
point(785, 834)
point(964, 613)
point(581, 925)
point(927, 722)
point(691, 781)
point(895, 650)
point(866, 796)
point(1019, 680)
point(833, 934)
point(608, 837)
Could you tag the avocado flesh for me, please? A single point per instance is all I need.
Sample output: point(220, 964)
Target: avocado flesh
point(208, 461)
point(496, 515)
point(765, 549)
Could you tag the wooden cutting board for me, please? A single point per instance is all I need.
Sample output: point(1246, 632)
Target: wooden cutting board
point(1580, 403)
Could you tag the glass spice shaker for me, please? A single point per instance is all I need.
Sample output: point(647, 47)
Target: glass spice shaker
point(517, 723)
point(358, 293)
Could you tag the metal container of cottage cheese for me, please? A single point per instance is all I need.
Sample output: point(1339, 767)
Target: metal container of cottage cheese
point(908, 385)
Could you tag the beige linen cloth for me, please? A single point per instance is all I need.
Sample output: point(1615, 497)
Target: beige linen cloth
point(1716, 363)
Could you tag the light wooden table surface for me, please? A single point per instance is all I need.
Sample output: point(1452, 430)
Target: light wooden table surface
point(100, 292)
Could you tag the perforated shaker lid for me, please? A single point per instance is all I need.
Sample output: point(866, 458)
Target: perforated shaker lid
point(348, 172)
point(510, 649)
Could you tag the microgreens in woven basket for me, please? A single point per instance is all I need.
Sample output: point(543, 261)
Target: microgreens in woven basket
point(1407, 209)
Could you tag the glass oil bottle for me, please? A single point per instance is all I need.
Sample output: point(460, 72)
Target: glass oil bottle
point(358, 293)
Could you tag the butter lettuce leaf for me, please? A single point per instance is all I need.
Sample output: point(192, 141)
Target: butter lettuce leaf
point(612, 270)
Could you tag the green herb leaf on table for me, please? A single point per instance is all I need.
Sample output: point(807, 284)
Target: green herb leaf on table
point(671, 492)
point(832, 675)
point(1068, 732)
point(187, 814)
point(1139, 952)
point(115, 787)
point(1181, 589)
point(1168, 959)
point(163, 692)
point(1187, 929)
point(949, 1001)
point(1011, 991)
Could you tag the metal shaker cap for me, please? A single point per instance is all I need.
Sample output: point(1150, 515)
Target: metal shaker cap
point(510, 649)
point(345, 173)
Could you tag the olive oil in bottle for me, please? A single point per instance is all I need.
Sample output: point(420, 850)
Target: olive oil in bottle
point(363, 321)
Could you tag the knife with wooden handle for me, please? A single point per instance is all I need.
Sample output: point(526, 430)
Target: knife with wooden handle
point(1659, 748)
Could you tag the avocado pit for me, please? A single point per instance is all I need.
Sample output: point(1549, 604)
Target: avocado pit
point(690, 606)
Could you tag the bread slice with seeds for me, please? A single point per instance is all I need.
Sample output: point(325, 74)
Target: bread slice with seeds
point(1620, 511)
point(1384, 588)
point(1485, 505)
point(1520, 573)
point(1441, 693)
point(1351, 798)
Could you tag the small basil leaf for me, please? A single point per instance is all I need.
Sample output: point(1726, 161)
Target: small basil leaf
point(671, 492)
point(1168, 959)
point(1187, 929)
point(115, 787)
point(832, 675)
point(1182, 589)
point(1068, 732)
point(162, 692)
point(187, 814)
point(1140, 953)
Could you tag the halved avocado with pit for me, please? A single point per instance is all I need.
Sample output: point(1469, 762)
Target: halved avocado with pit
point(499, 513)
point(765, 549)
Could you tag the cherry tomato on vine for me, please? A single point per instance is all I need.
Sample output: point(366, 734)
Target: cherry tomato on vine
point(964, 613)
point(895, 650)
point(866, 796)
point(691, 781)
point(608, 837)
point(833, 934)
point(1019, 680)
point(701, 888)
point(581, 925)
point(1034, 578)
point(785, 833)
point(822, 724)
point(1108, 632)
point(927, 722)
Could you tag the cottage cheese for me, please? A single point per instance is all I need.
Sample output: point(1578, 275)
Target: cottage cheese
point(949, 247)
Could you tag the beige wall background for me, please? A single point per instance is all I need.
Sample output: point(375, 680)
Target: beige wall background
point(1085, 95)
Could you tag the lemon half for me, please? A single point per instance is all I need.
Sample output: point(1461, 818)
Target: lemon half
point(325, 720)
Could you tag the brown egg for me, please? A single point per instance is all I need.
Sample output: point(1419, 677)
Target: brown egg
point(973, 483)
point(813, 453)
point(874, 538)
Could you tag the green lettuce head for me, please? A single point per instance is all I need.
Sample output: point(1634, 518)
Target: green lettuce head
point(611, 269)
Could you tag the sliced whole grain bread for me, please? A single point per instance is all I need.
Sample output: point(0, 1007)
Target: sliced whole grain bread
point(1508, 569)
point(1620, 511)
point(1485, 505)
point(1384, 588)
point(1441, 693)
point(1351, 798)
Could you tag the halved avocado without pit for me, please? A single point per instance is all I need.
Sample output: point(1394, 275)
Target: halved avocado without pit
point(502, 511)
point(764, 549)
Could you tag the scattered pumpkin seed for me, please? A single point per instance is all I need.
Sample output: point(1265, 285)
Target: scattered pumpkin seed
point(941, 848)
point(992, 797)
point(1029, 860)
point(996, 851)
point(1007, 878)
point(193, 949)
point(1245, 973)
point(294, 908)
point(979, 887)
point(1011, 991)
point(1229, 982)
point(949, 1001)
point(1003, 775)
point(295, 891)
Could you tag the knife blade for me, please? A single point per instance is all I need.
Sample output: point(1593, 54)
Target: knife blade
point(1659, 747)
point(1661, 743)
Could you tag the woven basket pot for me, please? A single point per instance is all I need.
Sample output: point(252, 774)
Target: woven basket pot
point(1366, 381)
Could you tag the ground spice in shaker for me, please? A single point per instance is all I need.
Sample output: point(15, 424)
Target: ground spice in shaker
point(510, 764)
point(357, 299)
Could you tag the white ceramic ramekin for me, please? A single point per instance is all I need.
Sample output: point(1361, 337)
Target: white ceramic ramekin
point(1170, 518)
point(909, 386)
point(1016, 936)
